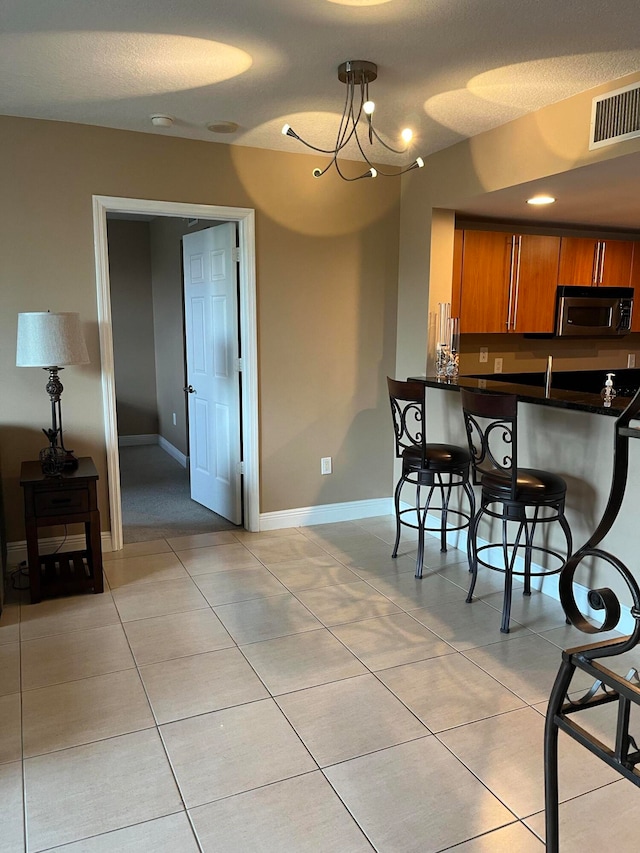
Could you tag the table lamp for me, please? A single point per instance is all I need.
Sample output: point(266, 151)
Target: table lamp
point(52, 341)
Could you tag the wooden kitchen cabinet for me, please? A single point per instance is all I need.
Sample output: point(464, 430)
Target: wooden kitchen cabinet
point(635, 284)
point(590, 262)
point(507, 282)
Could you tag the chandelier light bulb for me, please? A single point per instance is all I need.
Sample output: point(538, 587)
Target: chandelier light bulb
point(373, 172)
point(368, 107)
point(285, 129)
point(317, 173)
point(420, 162)
point(407, 135)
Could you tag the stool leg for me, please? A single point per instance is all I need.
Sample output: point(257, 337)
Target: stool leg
point(508, 579)
point(396, 501)
point(421, 514)
point(472, 552)
point(471, 497)
point(528, 551)
point(567, 531)
point(508, 570)
point(445, 509)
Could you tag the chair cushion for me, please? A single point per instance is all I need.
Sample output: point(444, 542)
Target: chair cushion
point(532, 486)
point(438, 457)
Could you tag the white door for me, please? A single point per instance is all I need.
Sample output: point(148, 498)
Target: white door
point(211, 322)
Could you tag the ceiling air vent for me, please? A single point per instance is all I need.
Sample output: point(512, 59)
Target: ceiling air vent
point(615, 116)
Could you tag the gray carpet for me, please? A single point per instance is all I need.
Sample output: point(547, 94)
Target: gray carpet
point(155, 497)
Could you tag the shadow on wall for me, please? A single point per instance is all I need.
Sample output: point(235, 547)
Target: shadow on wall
point(134, 420)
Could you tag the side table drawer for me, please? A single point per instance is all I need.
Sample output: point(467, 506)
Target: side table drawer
point(59, 503)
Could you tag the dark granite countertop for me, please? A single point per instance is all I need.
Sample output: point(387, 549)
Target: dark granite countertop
point(581, 401)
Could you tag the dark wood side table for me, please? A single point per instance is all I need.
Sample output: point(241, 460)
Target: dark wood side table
point(67, 499)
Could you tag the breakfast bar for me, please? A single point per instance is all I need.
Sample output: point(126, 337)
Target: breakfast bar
point(570, 432)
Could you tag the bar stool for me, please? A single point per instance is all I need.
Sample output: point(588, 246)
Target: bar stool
point(491, 421)
point(439, 467)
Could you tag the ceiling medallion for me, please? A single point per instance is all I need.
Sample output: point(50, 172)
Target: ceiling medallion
point(357, 74)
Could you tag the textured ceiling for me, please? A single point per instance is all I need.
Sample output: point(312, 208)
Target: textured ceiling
point(447, 68)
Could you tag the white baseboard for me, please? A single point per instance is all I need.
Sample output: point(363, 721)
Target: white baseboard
point(132, 440)
point(173, 451)
point(325, 513)
point(154, 438)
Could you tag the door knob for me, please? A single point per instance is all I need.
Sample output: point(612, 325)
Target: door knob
point(190, 389)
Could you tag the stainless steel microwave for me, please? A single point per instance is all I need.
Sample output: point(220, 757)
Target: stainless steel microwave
point(593, 311)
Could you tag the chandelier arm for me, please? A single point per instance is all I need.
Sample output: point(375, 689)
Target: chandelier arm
point(362, 151)
point(343, 135)
point(388, 147)
point(347, 113)
point(414, 165)
point(314, 147)
point(344, 177)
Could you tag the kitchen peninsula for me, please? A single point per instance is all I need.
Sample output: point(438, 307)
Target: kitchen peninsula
point(575, 389)
point(563, 433)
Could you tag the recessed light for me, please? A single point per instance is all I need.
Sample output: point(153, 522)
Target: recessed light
point(222, 127)
point(541, 199)
point(161, 121)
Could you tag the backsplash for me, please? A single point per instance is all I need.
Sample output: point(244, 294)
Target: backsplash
point(522, 355)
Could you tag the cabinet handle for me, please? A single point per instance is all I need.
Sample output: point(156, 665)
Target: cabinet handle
point(596, 265)
point(517, 277)
point(511, 273)
point(602, 251)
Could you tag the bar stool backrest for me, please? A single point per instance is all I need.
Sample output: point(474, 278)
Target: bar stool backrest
point(407, 409)
point(491, 422)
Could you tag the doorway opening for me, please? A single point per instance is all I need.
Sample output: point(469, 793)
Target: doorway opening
point(247, 330)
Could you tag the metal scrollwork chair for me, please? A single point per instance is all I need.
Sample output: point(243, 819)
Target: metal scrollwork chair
point(527, 497)
point(440, 468)
point(608, 686)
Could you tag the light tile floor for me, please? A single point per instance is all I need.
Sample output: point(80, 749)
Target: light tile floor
point(290, 691)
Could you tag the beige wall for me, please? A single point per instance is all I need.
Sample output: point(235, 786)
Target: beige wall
point(168, 315)
point(132, 319)
point(327, 255)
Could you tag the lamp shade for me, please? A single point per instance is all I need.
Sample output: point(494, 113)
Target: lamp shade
point(47, 339)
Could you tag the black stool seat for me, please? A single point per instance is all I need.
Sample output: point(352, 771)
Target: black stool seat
point(436, 468)
point(532, 486)
point(526, 497)
point(437, 457)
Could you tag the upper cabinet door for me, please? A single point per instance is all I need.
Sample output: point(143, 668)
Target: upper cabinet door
point(577, 261)
point(587, 261)
point(486, 264)
point(535, 282)
point(615, 261)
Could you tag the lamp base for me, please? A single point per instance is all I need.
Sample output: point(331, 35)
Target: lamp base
point(52, 461)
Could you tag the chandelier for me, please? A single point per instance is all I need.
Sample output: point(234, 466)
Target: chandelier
point(358, 111)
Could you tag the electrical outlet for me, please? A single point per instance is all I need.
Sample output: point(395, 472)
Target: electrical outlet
point(484, 355)
point(325, 465)
point(631, 359)
point(497, 365)
point(174, 419)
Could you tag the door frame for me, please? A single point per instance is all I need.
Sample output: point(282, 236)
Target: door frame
point(247, 311)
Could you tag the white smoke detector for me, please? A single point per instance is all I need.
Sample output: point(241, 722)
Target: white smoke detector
point(162, 121)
